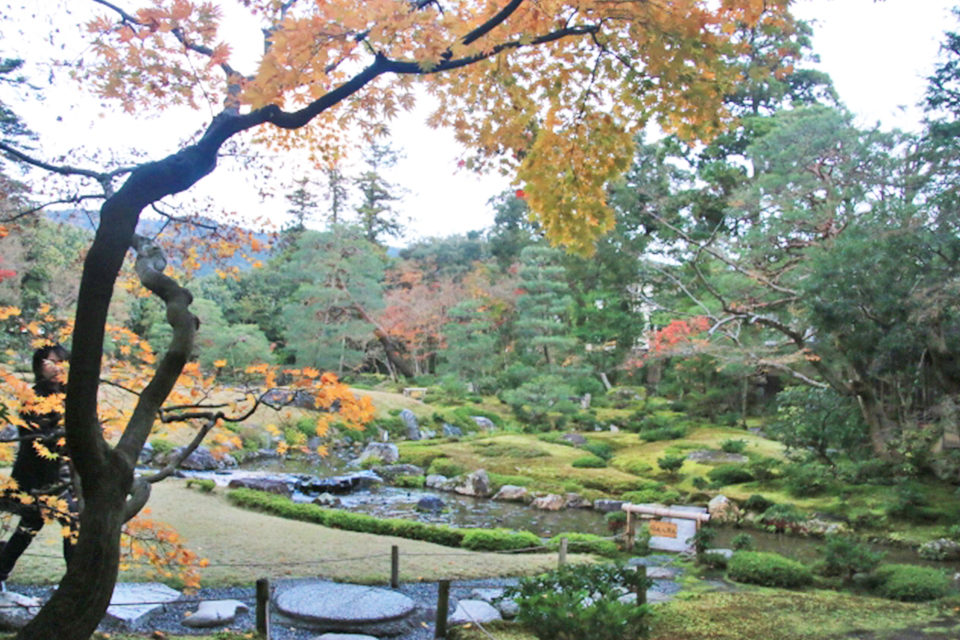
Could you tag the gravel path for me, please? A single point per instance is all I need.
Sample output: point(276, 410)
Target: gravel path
point(167, 618)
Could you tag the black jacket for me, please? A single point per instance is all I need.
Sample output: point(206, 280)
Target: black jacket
point(30, 469)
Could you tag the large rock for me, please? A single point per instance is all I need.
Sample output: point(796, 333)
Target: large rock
point(484, 423)
point(131, 601)
point(440, 483)
point(715, 457)
point(214, 613)
point(474, 611)
point(326, 500)
point(270, 485)
point(391, 471)
point(576, 501)
point(200, 460)
point(410, 422)
point(329, 606)
point(337, 484)
point(512, 493)
point(450, 431)
point(431, 504)
point(940, 549)
point(575, 439)
point(550, 502)
point(476, 484)
point(722, 510)
point(386, 451)
point(16, 610)
point(606, 506)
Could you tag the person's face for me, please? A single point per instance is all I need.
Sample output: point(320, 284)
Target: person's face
point(53, 369)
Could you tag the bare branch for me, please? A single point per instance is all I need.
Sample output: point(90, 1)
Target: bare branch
point(172, 466)
point(66, 170)
point(71, 200)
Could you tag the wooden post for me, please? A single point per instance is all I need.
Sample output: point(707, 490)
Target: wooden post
point(263, 608)
point(443, 605)
point(562, 555)
point(642, 589)
point(394, 567)
point(631, 531)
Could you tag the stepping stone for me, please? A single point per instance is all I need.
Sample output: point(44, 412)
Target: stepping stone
point(487, 595)
point(662, 573)
point(16, 610)
point(657, 560)
point(344, 636)
point(474, 611)
point(331, 606)
point(214, 613)
point(133, 600)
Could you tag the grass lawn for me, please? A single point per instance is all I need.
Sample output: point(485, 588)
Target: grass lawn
point(243, 546)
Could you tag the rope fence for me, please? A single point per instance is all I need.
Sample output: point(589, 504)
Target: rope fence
point(263, 588)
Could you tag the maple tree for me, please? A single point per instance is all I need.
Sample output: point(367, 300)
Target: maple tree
point(554, 90)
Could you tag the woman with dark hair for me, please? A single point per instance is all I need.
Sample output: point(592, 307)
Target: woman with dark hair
point(37, 474)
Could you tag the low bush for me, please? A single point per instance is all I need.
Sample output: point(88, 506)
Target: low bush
point(582, 601)
point(808, 479)
point(410, 482)
point(419, 456)
point(767, 569)
point(765, 469)
point(742, 542)
point(616, 520)
point(843, 557)
point(782, 517)
point(554, 437)
point(338, 519)
point(671, 464)
point(600, 449)
point(714, 560)
point(725, 474)
point(911, 583)
point(911, 504)
point(489, 449)
point(646, 496)
point(445, 467)
point(589, 462)
point(585, 543)
point(757, 503)
point(665, 433)
point(203, 484)
point(499, 540)
point(733, 446)
point(634, 466)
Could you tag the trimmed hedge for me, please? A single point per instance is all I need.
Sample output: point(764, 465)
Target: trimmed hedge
point(585, 543)
point(911, 583)
point(473, 539)
point(498, 540)
point(338, 519)
point(767, 569)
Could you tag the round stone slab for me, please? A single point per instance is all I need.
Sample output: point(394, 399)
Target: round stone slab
point(333, 606)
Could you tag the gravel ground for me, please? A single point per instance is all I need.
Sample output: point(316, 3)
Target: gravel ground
point(167, 618)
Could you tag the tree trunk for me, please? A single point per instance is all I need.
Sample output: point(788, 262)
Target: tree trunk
point(878, 424)
point(84, 592)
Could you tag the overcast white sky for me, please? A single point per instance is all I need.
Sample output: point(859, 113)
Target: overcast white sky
point(878, 54)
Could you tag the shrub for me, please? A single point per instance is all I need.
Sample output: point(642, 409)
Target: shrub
point(499, 540)
point(666, 433)
point(445, 467)
point(410, 482)
point(554, 437)
point(765, 469)
point(585, 543)
point(782, 517)
point(733, 446)
point(370, 462)
point(767, 569)
point(582, 601)
point(911, 583)
point(671, 464)
point(700, 483)
point(634, 466)
point(162, 446)
point(713, 560)
point(843, 556)
point(203, 484)
point(703, 540)
point(725, 474)
point(589, 462)
point(757, 503)
point(808, 479)
point(599, 449)
point(645, 496)
point(742, 542)
point(419, 456)
point(616, 520)
point(911, 504)
point(286, 508)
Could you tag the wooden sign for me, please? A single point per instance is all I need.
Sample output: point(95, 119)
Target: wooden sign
point(663, 529)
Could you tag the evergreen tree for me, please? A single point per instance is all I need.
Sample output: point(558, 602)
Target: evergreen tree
point(376, 214)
